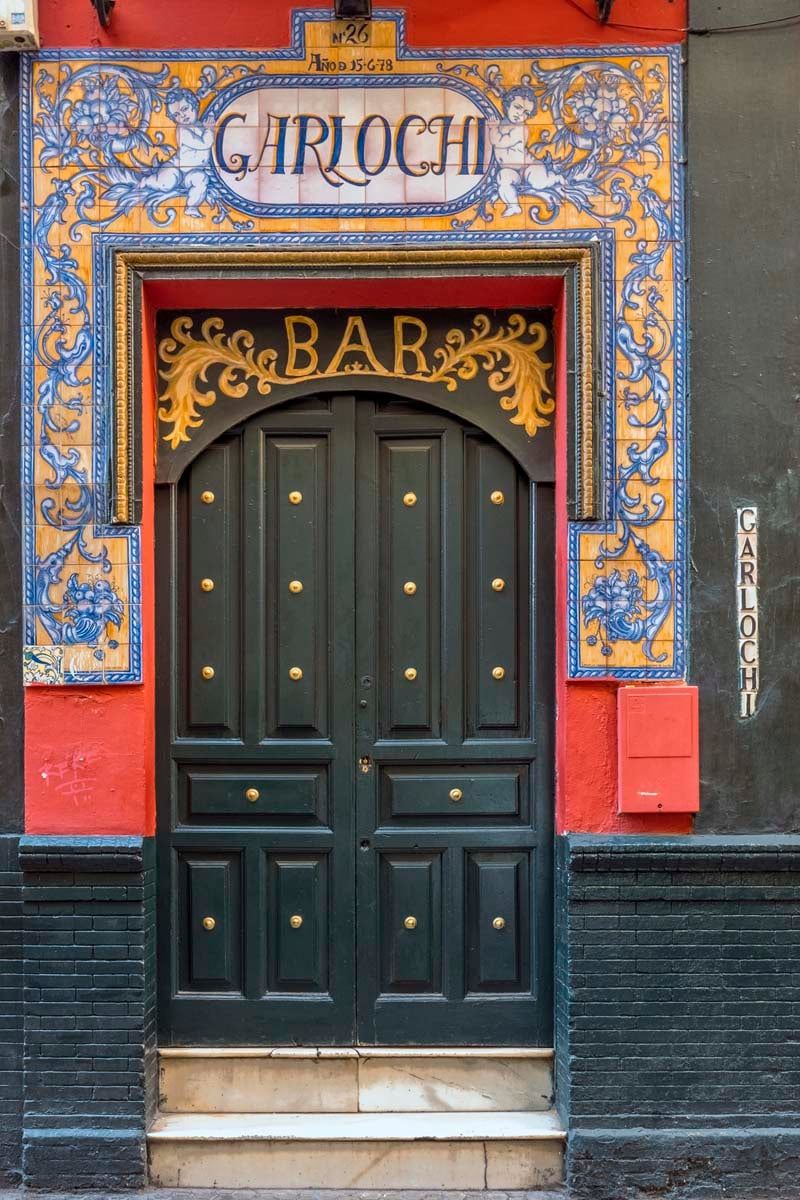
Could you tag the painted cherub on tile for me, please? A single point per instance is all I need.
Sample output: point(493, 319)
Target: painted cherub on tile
point(195, 138)
point(185, 173)
point(518, 171)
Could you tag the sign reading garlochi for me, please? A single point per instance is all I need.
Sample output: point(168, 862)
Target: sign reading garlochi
point(747, 608)
point(377, 148)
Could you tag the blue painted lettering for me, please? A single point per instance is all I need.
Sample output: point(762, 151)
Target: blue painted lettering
point(361, 144)
point(464, 142)
point(400, 144)
point(325, 146)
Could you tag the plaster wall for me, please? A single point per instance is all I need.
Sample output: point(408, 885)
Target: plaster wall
point(743, 119)
point(492, 23)
point(88, 762)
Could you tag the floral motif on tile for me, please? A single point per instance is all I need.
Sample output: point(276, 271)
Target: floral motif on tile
point(457, 148)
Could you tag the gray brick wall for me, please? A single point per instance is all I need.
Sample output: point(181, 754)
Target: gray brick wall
point(678, 1004)
point(89, 1065)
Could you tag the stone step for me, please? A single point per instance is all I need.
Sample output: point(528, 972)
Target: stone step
point(385, 1079)
point(488, 1150)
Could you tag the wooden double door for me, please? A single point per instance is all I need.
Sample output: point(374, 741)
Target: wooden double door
point(355, 661)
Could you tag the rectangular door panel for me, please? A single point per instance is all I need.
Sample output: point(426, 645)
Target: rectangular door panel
point(210, 918)
point(297, 922)
point(255, 796)
point(411, 923)
point(497, 640)
point(452, 794)
point(209, 601)
point(296, 532)
point(498, 905)
point(408, 603)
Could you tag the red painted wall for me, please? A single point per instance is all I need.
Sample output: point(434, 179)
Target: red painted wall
point(90, 751)
point(241, 24)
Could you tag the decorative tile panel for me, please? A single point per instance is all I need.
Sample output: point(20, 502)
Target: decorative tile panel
point(339, 143)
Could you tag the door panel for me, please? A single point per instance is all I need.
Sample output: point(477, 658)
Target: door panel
point(498, 589)
point(257, 796)
point(210, 945)
point(211, 629)
point(410, 900)
point(297, 600)
point(453, 795)
point(297, 908)
point(498, 923)
point(408, 665)
point(365, 778)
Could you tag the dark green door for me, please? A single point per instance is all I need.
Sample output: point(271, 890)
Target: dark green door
point(356, 700)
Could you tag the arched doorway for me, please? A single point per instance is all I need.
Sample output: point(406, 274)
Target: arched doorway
point(356, 665)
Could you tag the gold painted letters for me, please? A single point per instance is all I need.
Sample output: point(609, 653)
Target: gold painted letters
point(508, 355)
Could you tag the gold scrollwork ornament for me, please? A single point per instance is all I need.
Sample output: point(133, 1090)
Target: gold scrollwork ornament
point(509, 354)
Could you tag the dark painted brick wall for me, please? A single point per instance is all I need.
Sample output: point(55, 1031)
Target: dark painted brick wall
point(743, 133)
point(10, 1012)
point(678, 999)
point(89, 1010)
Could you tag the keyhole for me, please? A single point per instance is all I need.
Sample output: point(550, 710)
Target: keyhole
point(364, 843)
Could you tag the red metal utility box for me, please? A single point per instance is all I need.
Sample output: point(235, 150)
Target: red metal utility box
point(657, 738)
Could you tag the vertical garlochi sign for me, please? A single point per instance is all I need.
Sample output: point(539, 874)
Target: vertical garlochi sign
point(747, 608)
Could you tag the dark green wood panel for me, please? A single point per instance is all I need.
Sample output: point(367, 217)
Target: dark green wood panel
point(409, 517)
point(497, 522)
point(453, 795)
point(296, 534)
point(210, 938)
point(410, 900)
point(297, 933)
point(354, 815)
point(498, 923)
point(210, 525)
point(257, 796)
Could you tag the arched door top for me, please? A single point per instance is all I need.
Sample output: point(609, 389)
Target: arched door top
point(493, 368)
